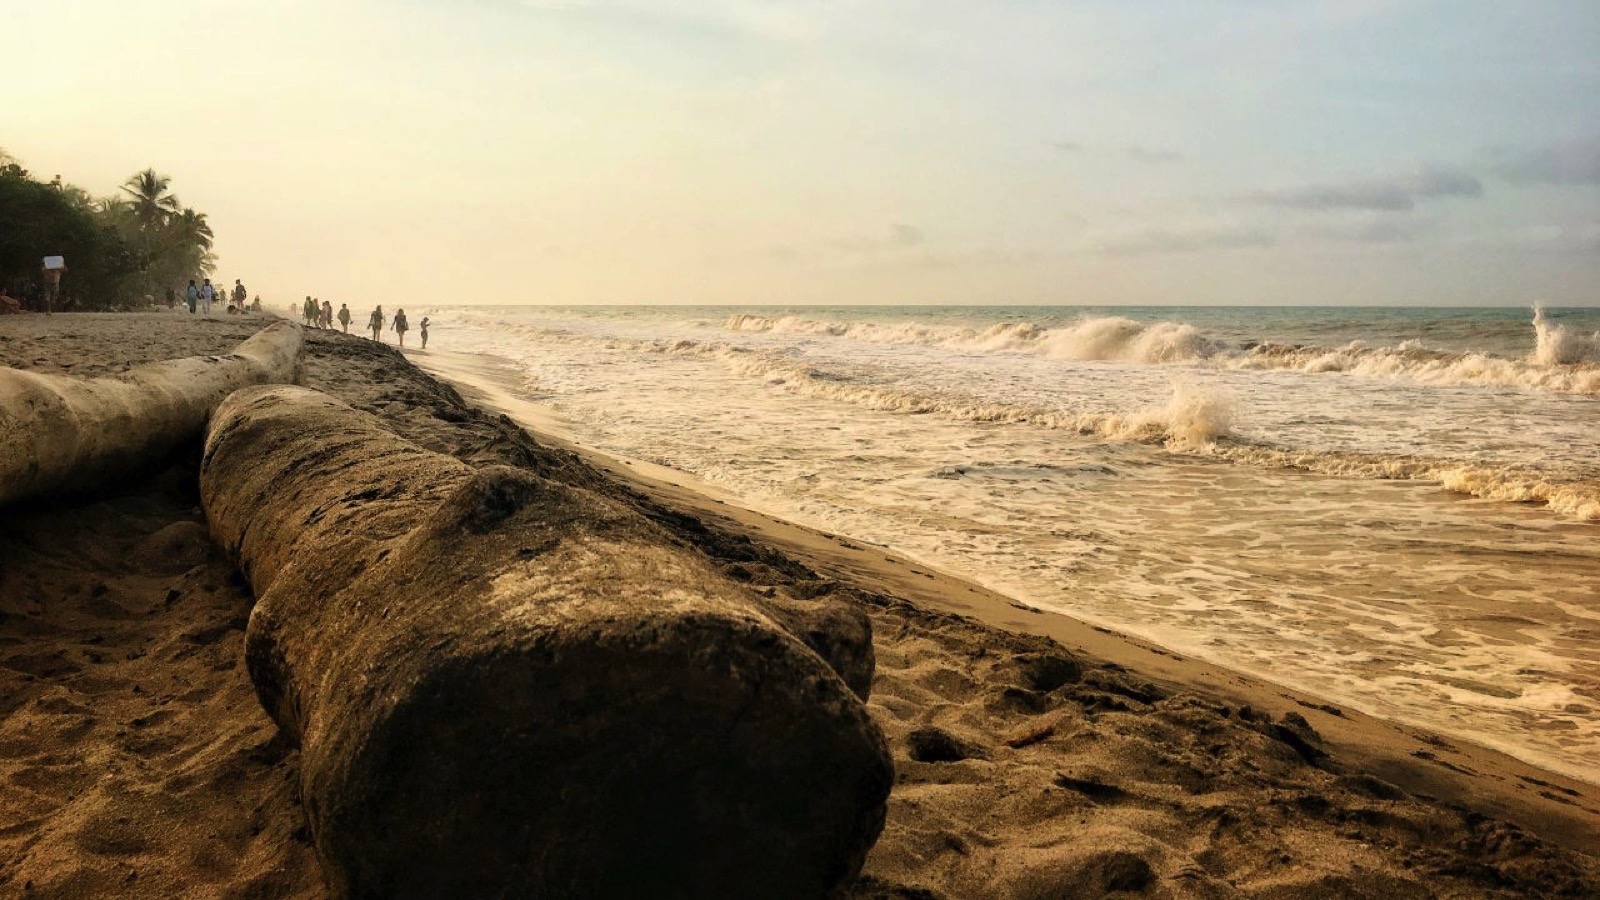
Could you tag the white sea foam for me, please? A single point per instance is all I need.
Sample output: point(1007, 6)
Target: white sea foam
point(1235, 504)
point(1411, 361)
point(1557, 345)
point(1575, 499)
point(1190, 417)
point(1193, 418)
point(1109, 338)
point(1563, 361)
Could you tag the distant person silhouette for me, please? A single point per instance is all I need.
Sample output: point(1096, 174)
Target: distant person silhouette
point(240, 295)
point(207, 294)
point(375, 322)
point(400, 325)
point(193, 295)
point(422, 329)
point(308, 311)
point(344, 316)
point(327, 315)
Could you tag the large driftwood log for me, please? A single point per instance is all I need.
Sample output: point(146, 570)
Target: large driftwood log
point(59, 433)
point(505, 687)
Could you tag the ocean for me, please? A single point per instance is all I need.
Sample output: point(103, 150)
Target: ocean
point(1395, 509)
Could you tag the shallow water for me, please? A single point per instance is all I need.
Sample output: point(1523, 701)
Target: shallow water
point(1315, 496)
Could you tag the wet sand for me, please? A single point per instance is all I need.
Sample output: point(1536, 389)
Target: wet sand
point(1037, 756)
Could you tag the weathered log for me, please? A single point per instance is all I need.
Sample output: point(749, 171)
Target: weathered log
point(504, 686)
point(59, 433)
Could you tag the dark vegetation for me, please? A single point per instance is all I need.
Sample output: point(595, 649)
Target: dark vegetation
point(121, 252)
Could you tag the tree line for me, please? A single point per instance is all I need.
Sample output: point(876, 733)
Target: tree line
point(121, 251)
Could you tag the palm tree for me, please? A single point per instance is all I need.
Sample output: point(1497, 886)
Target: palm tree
point(190, 228)
point(153, 204)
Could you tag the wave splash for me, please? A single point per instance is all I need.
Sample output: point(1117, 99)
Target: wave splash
point(1192, 416)
point(1111, 338)
point(1563, 360)
point(1557, 345)
point(1192, 420)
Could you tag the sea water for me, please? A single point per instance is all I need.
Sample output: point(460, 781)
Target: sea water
point(1396, 509)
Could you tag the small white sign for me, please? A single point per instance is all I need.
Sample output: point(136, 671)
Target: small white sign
point(55, 262)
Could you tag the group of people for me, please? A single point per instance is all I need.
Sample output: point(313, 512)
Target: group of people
point(200, 297)
point(313, 312)
point(320, 314)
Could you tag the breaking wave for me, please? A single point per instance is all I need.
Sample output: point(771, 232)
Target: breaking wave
point(1563, 360)
point(1192, 420)
point(1191, 416)
point(1558, 345)
point(1112, 338)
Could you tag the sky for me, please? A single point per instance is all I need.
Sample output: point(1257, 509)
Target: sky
point(1371, 152)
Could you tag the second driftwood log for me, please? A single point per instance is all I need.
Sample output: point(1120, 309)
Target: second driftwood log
point(59, 433)
point(504, 686)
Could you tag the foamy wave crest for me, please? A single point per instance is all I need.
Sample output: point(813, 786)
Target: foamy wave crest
point(1563, 361)
point(1195, 417)
point(1413, 362)
point(1573, 499)
point(1557, 345)
point(1191, 419)
point(1111, 338)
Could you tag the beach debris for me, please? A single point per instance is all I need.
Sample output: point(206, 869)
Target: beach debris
point(606, 716)
point(59, 433)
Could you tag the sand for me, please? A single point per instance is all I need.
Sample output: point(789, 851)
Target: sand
point(1036, 756)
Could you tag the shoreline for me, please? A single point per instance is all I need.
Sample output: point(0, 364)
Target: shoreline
point(1414, 757)
point(1034, 755)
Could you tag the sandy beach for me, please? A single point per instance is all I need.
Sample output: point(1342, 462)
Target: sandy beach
point(1035, 755)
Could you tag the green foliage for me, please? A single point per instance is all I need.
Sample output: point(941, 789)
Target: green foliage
point(119, 249)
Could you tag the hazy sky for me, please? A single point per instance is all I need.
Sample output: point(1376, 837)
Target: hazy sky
point(842, 151)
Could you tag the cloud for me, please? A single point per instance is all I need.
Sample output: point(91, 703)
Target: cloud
point(1577, 238)
point(1149, 155)
point(1184, 240)
point(1371, 232)
point(1566, 162)
point(1396, 193)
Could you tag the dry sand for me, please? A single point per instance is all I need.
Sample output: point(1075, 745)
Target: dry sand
point(1036, 756)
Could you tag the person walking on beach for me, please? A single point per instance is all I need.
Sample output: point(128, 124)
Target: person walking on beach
point(327, 315)
point(308, 310)
point(193, 295)
point(422, 329)
point(400, 325)
point(52, 287)
point(375, 322)
point(344, 317)
point(240, 295)
point(207, 294)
